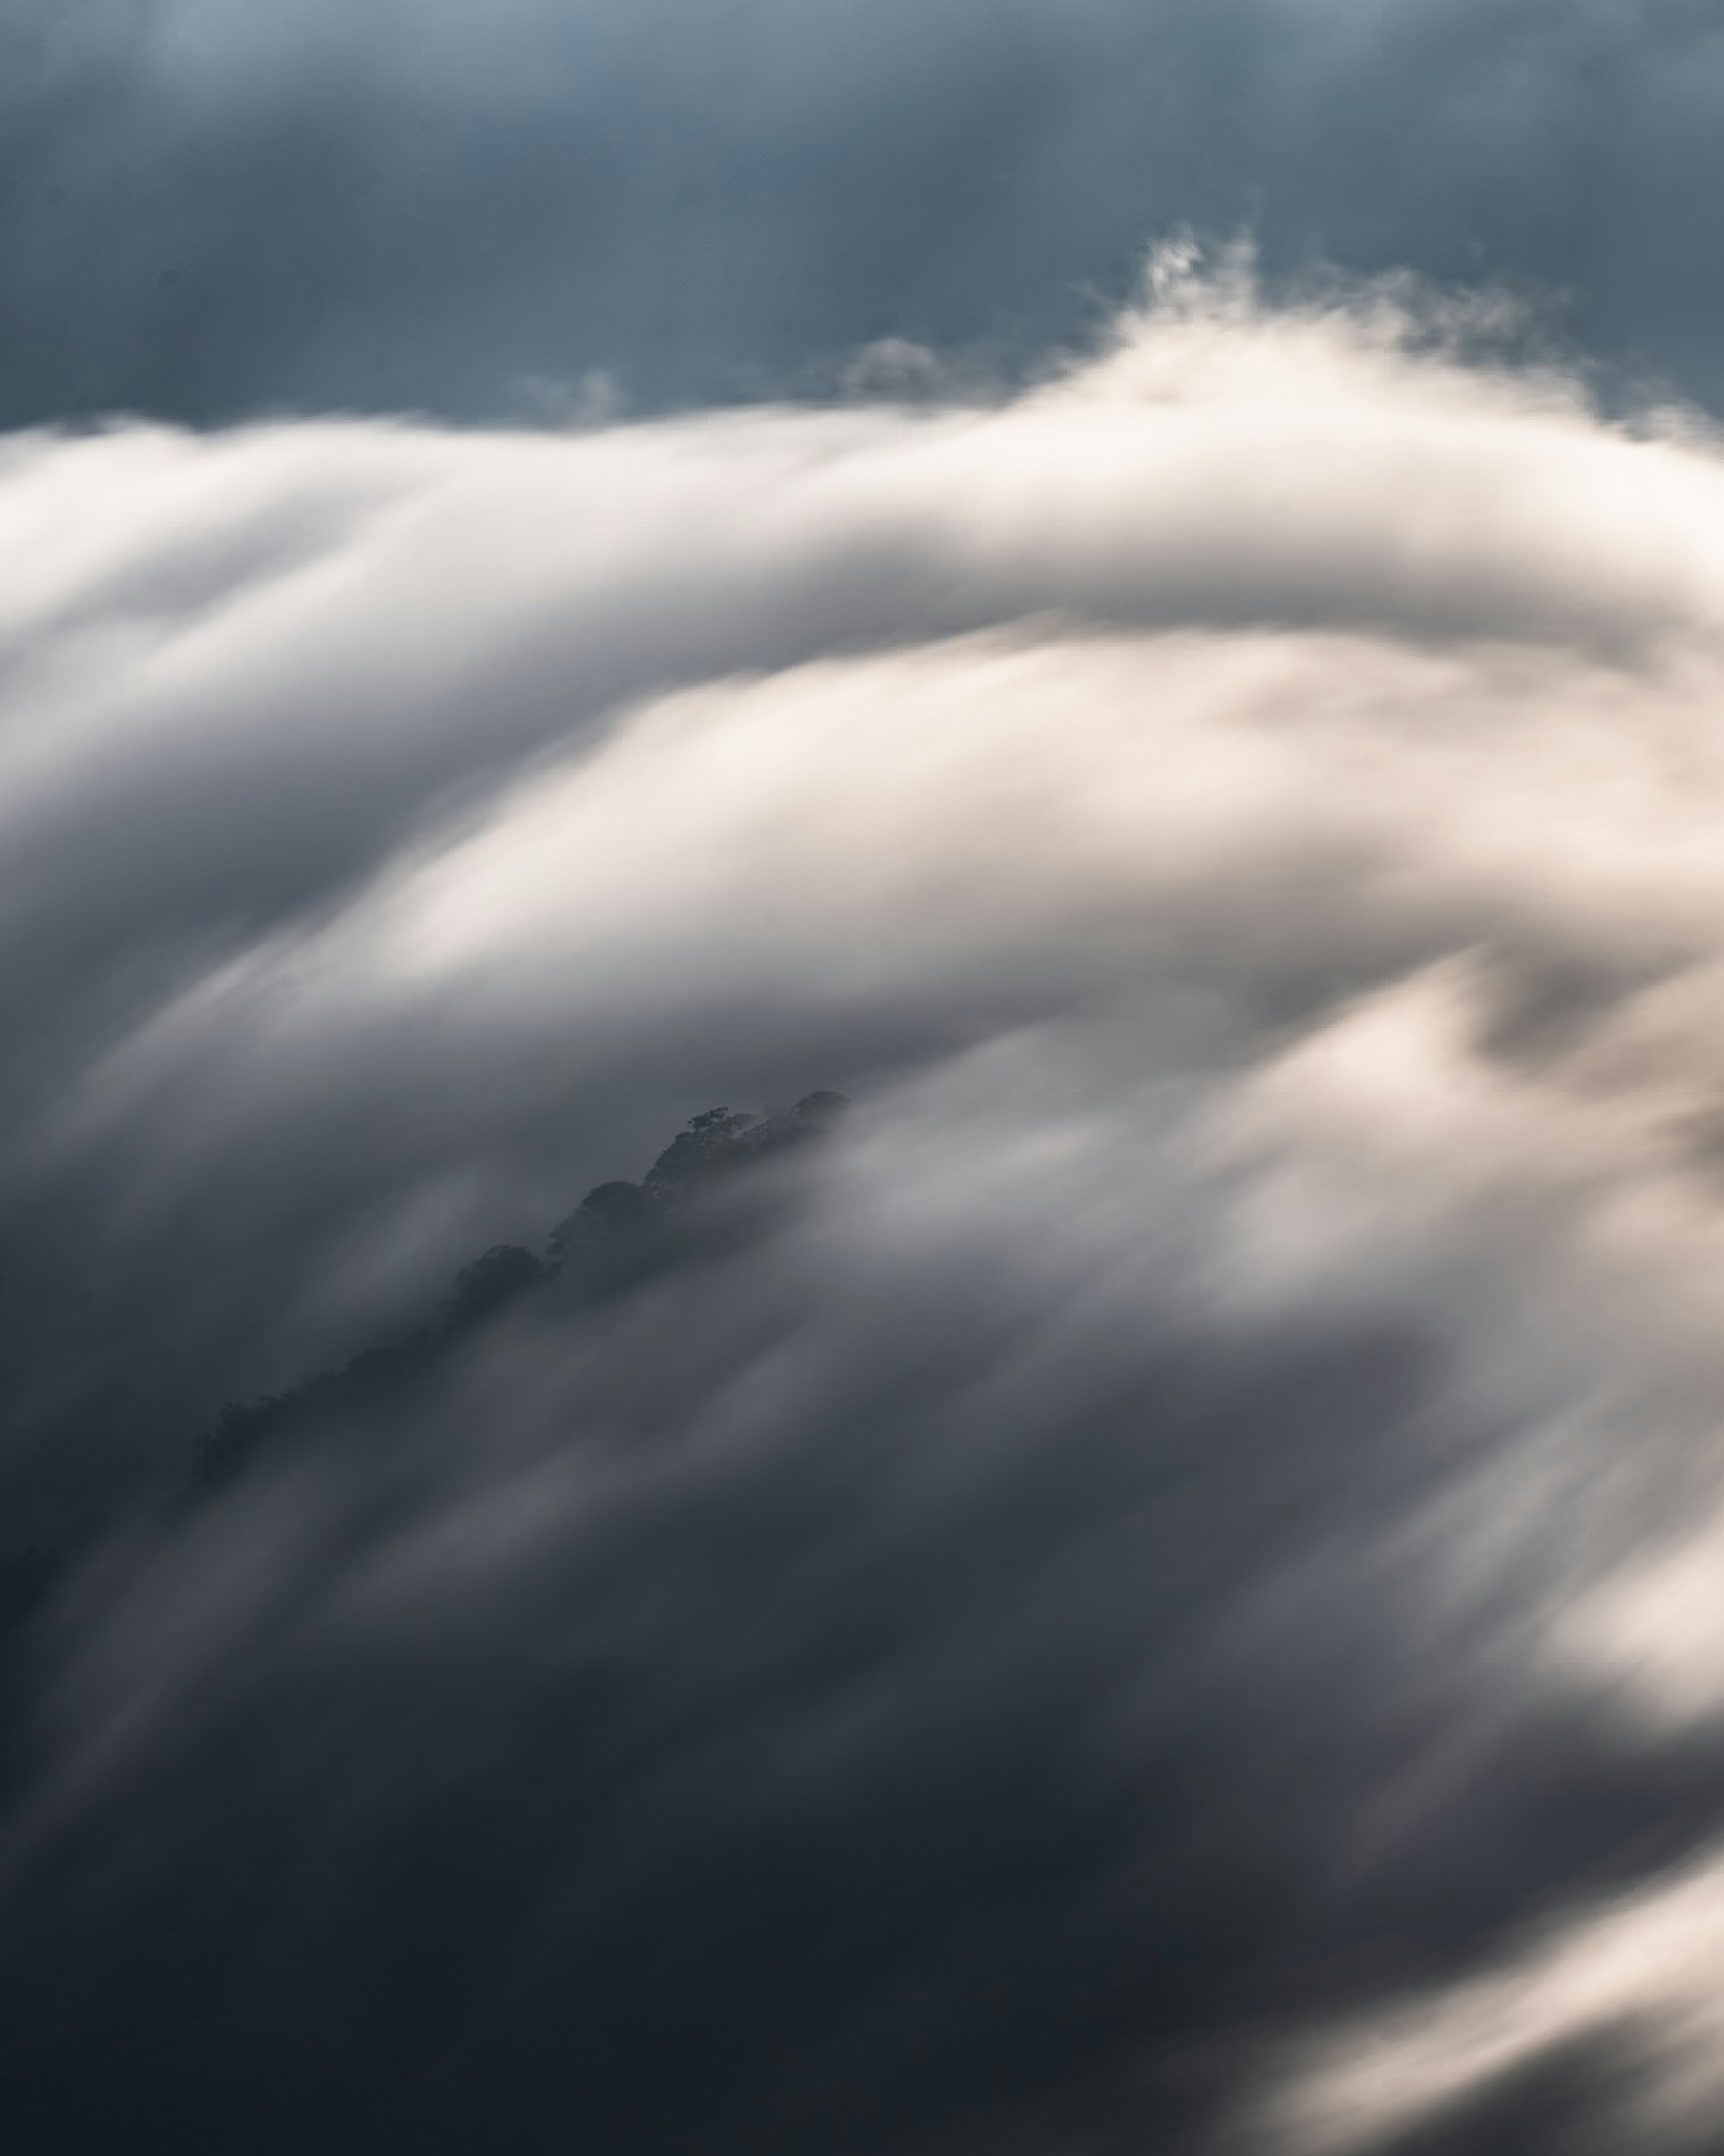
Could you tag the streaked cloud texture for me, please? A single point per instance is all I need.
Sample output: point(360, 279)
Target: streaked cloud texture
point(1160, 1581)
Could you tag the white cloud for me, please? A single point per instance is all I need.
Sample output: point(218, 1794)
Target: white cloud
point(1243, 815)
point(1640, 1973)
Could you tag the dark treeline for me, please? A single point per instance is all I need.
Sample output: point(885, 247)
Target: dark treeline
point(620, 1234)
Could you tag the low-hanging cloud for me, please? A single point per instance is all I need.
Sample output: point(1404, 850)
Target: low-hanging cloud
point(1190, 1511)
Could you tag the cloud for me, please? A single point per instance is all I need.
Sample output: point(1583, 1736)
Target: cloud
point(1639, 1971)
point(1003, 1627)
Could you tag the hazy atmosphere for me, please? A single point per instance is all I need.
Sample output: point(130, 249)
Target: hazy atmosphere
point(862, 1182)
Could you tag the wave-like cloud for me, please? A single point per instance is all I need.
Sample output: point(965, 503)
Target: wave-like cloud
point(1194, 1509)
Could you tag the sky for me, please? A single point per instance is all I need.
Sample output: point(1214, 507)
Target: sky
point(1136, 591)
point(519, 212)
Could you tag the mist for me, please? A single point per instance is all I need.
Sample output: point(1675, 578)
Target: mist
point(861, 1235)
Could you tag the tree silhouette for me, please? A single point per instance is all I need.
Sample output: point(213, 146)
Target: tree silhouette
point(619, 1233)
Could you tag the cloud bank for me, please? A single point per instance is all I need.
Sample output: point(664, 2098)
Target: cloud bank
point(1151, 1586)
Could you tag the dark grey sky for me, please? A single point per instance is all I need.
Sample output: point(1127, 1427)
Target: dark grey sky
point(470, 210)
